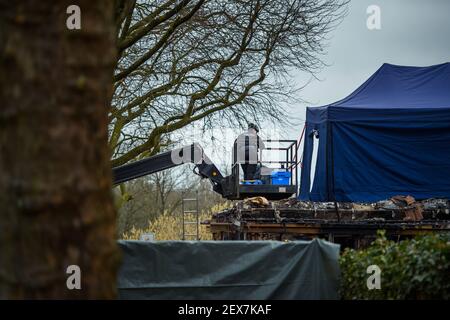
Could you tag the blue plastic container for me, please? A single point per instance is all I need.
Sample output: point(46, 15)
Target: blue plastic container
point(280, 177)
point(251, 182)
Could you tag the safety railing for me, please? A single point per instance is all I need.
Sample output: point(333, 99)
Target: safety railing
point(289, 149)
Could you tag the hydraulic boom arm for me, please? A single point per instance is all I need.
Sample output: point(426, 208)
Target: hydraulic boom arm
point(163, 161)
point(230, 187)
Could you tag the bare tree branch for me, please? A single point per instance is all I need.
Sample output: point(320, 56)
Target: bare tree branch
point(218, 62)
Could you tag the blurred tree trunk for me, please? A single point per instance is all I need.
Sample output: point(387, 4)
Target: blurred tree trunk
point(56, 205)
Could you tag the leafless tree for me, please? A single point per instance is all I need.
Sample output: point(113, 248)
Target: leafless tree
point(214, 61)
point(151, 196)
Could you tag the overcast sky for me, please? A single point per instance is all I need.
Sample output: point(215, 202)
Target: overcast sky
point(413, 32)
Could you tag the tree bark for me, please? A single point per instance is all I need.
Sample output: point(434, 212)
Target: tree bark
point(56, 206)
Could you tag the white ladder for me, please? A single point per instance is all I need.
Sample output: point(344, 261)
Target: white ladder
point(184, 211)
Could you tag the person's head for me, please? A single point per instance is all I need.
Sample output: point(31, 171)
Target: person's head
point(253, 126)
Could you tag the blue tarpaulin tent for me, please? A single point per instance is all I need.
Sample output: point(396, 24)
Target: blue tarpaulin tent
point(391, 136)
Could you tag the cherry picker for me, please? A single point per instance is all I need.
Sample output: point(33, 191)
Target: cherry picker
point(274, 183)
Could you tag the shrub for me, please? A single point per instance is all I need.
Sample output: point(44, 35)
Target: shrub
point(411, 269)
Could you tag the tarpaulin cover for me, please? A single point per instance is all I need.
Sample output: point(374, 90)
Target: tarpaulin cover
point(389, 137)
point(229, 270)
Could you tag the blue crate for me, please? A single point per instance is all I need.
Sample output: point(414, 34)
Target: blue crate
point(247, 182)
point(280, 177)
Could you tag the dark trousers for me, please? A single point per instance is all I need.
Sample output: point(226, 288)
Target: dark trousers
point(249, 171)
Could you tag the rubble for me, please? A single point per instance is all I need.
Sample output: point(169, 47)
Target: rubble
point(257, 201)
point(396, 208)
point(258, 218)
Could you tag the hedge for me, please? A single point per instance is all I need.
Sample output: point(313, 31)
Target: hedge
point(411, 269)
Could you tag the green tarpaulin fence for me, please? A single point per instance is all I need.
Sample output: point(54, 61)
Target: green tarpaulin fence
point(229, 270)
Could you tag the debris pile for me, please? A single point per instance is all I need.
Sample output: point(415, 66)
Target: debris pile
point(398, 208)
point(351, 224)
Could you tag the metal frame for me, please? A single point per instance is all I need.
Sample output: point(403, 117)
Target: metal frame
point(290, 164)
